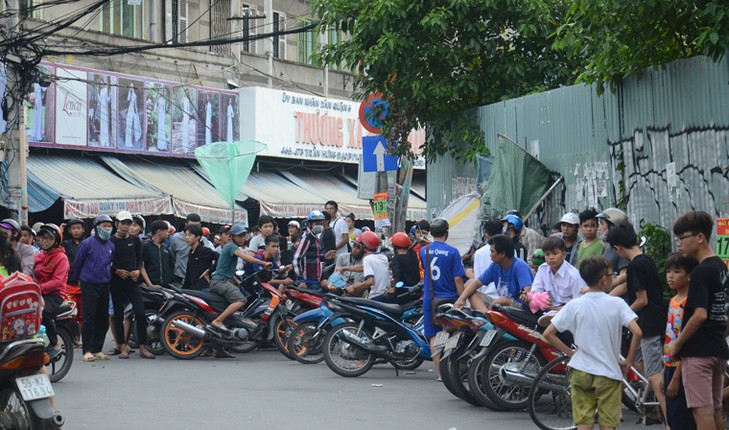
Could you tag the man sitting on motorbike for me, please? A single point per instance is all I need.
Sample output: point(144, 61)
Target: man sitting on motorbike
point(309, 256)
point(405, 263)
point(270, 253)
point(222, 279)
point(51, 273)
point(349, 264)
point(376, 269)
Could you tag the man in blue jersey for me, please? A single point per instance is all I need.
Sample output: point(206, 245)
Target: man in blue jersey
point(511, 275)
point(443, 281)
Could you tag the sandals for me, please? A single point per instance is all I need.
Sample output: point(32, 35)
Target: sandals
point(115, 351)
point(124, 355)
point(146, 354)
point(88, 357)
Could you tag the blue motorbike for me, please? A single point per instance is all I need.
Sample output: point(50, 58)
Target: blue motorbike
point(374, 332)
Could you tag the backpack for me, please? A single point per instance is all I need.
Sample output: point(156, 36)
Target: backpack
point(20, 310)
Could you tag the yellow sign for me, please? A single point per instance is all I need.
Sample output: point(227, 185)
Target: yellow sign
point(722, 239)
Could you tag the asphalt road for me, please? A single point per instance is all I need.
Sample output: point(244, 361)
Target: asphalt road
point(264, 390)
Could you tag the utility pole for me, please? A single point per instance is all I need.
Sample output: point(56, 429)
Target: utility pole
point(268, 42)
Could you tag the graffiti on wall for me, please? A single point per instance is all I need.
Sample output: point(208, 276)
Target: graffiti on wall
point(669, 173)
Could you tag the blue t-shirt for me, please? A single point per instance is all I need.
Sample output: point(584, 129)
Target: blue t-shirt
point(509, 282)
point(445, 266)
point(226, 263)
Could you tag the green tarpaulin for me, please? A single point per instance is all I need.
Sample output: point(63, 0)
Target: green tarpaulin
point(517, 181)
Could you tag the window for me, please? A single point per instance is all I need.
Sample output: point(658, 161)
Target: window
point(29, 8)
point(279, 40)
point(220, 25)
point(306, 44)
point(123, 18)
point(250, 28)
point(176, 21)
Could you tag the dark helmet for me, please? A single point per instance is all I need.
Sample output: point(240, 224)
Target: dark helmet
point(102, 218)
point(54, 231)
point(74, 221)
point(439, 225)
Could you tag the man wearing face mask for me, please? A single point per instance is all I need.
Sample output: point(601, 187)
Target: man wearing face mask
point(93, 266)
point(309, 257)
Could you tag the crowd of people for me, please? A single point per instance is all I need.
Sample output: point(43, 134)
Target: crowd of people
point(588, 279)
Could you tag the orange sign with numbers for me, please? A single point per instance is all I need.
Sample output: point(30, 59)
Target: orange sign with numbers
point(722, 239)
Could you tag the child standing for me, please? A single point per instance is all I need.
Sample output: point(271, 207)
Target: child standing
point(596, 320)
point(678, 275)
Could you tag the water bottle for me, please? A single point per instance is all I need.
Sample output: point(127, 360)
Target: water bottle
point(42, 334)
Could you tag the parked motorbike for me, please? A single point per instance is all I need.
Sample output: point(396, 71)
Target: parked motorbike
point(374, 332)
point(154, 300)
point(24, 391)
point(186, 329)
point(504, 369)
point(59, 365)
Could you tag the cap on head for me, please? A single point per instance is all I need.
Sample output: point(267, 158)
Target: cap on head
point(124, 216)
point(614, 216)
point(295, 224)
point(238, 229)
point(570, 218)
point(224, 229)
point(439, 225)
point(74, 221)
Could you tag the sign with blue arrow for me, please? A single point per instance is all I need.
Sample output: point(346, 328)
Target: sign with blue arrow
point(374, 157)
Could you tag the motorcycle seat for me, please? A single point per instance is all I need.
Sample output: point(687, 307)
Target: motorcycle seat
point(395, 310)
point(63, 308)
point(520, 316)
point(214, 300)
point(307, 291)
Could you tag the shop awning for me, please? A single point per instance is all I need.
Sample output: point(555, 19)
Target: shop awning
point(327, 186)
point(87, 188)
point(190, 192)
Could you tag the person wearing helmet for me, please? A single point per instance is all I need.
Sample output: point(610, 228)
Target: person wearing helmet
point(11, 229)
point(530, 238)
point(125, 279)
point(51, 274)
point(139, 225)
point(569, 226)
point(29, 236)
point(405, 262)
point(9, 259)
point(443, 280)
point(349, 265)
point(482, 260)
point(222, 280)
point(513, 226)
point(309, 256)
point(375, 270)
point(93, 266)
point(70, 245)
point(607, 220)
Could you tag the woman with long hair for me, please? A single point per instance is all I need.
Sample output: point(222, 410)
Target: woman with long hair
point(9, 259)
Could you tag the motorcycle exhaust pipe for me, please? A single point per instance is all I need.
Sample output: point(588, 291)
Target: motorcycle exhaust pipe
point(366, 345)
point(154, 320)
point(516, 377)
point(188, 328)
point(57, 421)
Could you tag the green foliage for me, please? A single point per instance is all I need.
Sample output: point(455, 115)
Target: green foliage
point(435, 59)
point(618, 38)
point(658, 247)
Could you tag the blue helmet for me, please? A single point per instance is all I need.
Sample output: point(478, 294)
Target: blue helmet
point(515, 221)
point(315, 216)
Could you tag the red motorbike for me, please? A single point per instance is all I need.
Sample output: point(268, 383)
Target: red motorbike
point(503, 372)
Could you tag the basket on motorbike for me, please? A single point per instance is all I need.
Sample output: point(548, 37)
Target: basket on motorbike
point(20, 307)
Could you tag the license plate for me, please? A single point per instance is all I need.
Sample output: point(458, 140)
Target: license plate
point(34, 387)
point(440, 339)
point(452, 342)
point(487, 338)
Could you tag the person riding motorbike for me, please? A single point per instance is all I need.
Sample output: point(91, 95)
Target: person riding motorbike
point(51, 272)
point(11, 229)
point(405, 263)
point(375, 267)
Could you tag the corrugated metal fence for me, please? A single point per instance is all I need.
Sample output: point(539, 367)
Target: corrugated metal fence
point(661, 143)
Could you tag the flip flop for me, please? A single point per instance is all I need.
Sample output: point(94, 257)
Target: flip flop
point(148, 355)
point(115, 351)
point(124, 355)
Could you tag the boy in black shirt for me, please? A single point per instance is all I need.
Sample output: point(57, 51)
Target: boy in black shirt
point(645, 299)
point(701, 344)
point(159, 264)
point(200, 262)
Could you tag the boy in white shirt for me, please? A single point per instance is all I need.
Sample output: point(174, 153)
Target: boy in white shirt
point(556, 276)
point(596, 320)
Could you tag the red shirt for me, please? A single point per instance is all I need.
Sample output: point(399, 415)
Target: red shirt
point(51, 271)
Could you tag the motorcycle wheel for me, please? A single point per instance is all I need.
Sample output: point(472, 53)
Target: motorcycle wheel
point(154, 339)
point(59, 366)
point(178, 343)
point(408, 364)
point(485, 375)
point(305, 343)
point(342, 357)
point(454, 373)
point(282, 328)
point(15, 413)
